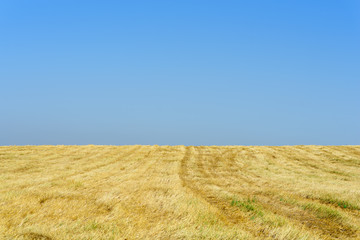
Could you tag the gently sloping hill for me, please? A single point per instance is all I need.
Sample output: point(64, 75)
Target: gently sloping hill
point(177, 192)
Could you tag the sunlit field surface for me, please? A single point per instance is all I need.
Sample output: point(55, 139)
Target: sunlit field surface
point(177, 192)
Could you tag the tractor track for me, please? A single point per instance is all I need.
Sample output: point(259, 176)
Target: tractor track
point(213, 173)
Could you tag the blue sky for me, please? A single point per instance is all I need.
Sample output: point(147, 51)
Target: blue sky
point(180, 72)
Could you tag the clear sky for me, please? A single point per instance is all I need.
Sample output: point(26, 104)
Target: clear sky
point(180, 72)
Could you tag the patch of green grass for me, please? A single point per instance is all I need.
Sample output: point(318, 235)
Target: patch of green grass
point(338, 202)
point(248, 205)
point(322, 211)
point(319, 209)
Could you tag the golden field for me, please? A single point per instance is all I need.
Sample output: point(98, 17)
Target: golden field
point(178, 192)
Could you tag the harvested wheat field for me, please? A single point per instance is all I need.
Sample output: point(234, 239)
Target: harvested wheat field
point(178, 192)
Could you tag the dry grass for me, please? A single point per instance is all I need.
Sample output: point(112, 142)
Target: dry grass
point(162, 192)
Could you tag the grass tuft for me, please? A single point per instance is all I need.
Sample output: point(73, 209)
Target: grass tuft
point(248, 205)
